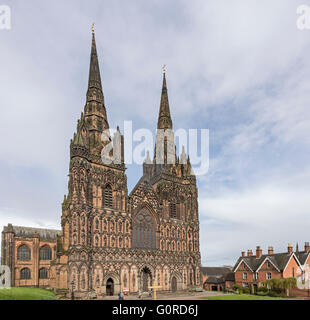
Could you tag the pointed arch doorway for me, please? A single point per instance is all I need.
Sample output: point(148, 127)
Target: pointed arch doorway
point(174, 284)
point(110, 287)
point(146, 279)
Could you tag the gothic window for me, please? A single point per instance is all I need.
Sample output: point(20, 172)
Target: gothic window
point(107, 196)
point(97, 224)
point(25, 274)
point(144, 230)
point(45, 253)
point(43, 273)
point(173, 212)
point(120, 225)
point(23, 253)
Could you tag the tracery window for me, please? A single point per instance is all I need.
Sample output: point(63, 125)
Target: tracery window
point(43, 273)
point(45, 253)
point(25, 274)
point(23, 253)
point(107, 196)
point(144, 230)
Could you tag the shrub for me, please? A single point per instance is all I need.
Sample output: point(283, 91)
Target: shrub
point(262, 289)
point(238, 288)
point(246, 290)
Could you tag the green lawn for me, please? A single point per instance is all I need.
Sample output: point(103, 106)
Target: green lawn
point(22, 293)
point(241, 297)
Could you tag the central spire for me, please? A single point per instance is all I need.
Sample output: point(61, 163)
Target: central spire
point(164, 118)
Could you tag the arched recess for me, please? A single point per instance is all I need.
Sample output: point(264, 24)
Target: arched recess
point(166, 278)
point(158, 276)
point(133, 279)
point(97, 278)
point(144, 228)
point(73, 277)
point(125, 279)
point(83, 277)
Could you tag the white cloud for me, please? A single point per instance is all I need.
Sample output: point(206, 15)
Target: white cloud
point(240, 68)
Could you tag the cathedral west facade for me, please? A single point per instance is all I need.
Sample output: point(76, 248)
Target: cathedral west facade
point(111, 240)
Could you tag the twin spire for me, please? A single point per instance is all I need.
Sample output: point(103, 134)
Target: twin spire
point(164, 117)
point(94, 82)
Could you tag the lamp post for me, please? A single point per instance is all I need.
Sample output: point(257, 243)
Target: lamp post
point(72, 293)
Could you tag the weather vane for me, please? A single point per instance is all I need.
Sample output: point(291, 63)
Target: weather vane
point(164, 68)
point(93, 28)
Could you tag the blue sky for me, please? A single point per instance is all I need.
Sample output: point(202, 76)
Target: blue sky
point(239, 68)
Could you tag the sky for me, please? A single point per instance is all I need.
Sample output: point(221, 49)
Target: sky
point(239, 68)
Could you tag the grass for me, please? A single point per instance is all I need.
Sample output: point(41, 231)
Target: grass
point(241, 297)
point(23, 293)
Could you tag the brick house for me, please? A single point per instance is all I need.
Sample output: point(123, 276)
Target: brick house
point(252, 270)
point(217, 278)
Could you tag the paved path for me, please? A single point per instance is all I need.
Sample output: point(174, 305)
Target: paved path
point(172, 296)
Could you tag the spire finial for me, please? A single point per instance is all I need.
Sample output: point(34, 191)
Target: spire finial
point(93, 28)
point(164, 69)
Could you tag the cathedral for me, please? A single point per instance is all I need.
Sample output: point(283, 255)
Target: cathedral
point(112, 241)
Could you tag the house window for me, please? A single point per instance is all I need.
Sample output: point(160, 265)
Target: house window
point(244, 276)
point(25, 274)
point(107, 196)
point(268, 275)
point(245, 284)
point(268, 265)
point(255, 276)
point(23, 253)
point(43, 273)
point(45, 253)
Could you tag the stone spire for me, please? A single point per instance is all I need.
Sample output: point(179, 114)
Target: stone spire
point(94, 80)
point(164, 147)
point(164, 118)
point(95, 116)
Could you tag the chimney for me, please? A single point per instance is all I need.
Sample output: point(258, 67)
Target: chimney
point(242, 254)
point(270, 250)
point(259, 252)
point(289, 248)
point(250, 253)
point(307, 247)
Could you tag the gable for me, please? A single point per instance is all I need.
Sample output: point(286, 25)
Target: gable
point(292, 268)
point(143, 193)
point(243, 267)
